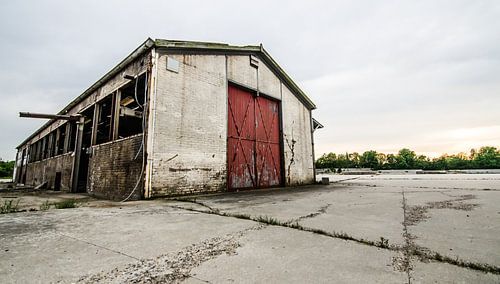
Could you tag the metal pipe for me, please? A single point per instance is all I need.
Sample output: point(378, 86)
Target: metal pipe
point(49, 116)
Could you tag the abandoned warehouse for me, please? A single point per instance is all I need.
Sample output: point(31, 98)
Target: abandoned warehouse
point(176, 118)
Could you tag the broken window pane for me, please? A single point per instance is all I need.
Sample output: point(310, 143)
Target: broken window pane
point(61, 139)
point(104, 120)
point(87, 127)
point(72, 136)
point(132, 108)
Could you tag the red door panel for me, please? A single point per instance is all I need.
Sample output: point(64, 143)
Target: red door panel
point(254, 153)
point(268, 142)
point(241, 161)
point(241, 139)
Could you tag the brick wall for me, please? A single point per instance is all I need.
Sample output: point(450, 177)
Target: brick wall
point(42, 171)
point(189, 129)
point(299, 167)
point(113, 172)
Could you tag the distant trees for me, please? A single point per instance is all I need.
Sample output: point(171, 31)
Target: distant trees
point(487, 157)
point(6, 168)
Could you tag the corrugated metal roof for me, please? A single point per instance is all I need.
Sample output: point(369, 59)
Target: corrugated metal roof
point(207, 47)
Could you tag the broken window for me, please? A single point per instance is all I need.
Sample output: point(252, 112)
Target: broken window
point(105, 120)
point(52, 144)
point(72, 137)
point(40, 150)
point(36, 154)
point(87, 127)
point(61, 138)
point(31, 153)
point(45, 148)
point(132, 101)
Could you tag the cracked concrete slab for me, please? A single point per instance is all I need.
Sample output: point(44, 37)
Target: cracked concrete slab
point(63, 245)
point(472, 235)
point(278, 255)
point(435, 272)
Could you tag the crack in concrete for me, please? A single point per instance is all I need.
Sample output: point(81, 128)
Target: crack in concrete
point(321, 210)
point(172, 267)
point(421, 187)
point(411, 248)
point(96, 245)
point(418, 213)
point(405, 264)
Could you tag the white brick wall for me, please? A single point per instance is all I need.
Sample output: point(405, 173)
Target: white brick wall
point(297, 127)
point(190, 126)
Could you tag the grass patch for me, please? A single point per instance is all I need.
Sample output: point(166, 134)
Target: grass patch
point(45, 206)
point(68, 203)
point(268, 220)
point(9, 206)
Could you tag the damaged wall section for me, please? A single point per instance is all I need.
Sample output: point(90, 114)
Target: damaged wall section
point(47, 170)
point(299, 162)
point(115, 167)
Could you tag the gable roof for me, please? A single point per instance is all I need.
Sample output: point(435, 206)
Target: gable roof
point(192, 46)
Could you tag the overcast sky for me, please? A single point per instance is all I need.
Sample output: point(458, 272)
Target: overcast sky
point(384, 74)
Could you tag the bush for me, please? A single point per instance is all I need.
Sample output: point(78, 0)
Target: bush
point(6, 169)
point(68, 203)
point(9, 206)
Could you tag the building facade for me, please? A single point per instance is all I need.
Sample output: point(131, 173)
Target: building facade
point(176, 118)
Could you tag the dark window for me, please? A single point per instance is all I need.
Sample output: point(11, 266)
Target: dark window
point(52, 145)
point(61, 131)
point(132, 108)
point(45, 147)
point(105, 120)
point(72, 136)
point(87, 127)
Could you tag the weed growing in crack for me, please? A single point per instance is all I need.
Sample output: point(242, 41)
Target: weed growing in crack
point(45, 205)
point(9, 206)
point(383, 243)
point(268, 220)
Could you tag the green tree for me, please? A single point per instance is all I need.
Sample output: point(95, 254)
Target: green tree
point(487, 158)
point(6, 168)
point(406, 159)
point(369, 159)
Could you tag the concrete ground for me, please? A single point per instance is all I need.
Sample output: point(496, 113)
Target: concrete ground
point(384, 229)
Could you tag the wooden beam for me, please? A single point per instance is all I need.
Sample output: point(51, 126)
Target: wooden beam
point(116, 114)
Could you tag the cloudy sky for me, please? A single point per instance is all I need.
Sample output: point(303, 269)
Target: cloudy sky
point(384, 74)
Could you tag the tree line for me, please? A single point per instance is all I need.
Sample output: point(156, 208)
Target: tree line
point(487, 157)
point(6, 169)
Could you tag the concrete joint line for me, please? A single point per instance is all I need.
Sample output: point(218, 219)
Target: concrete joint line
point(406, 265)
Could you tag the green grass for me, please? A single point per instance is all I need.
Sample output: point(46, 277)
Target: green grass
point(68, 203)
point(45, 206)
point(9, 206)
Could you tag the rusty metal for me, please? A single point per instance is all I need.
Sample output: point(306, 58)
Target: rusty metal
point(49, 116)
